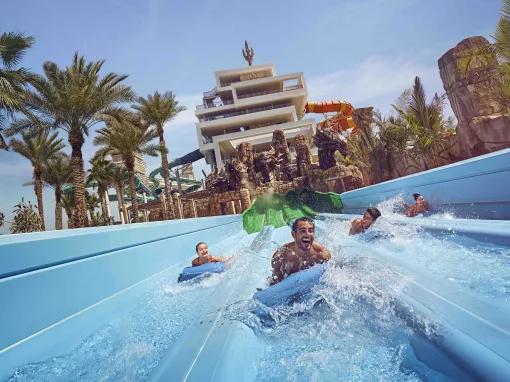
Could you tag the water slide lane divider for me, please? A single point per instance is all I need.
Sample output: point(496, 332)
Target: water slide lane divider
point(216, 348)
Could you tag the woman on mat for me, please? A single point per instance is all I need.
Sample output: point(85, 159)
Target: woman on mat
point(420, 206)
point(361, 225)
point(204, 257)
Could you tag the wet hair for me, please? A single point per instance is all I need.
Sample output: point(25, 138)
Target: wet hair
point(374, 212)
point(416, 195)
point(199, 243)
point(302, 219)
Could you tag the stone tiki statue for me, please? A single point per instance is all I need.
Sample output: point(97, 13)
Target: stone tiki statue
point(265, 163)
point(245, 155)
point(328, 142)
point(471, 79)
point(282, 154)
point(303, 156)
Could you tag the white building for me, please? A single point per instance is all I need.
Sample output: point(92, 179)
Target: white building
point(247, 105)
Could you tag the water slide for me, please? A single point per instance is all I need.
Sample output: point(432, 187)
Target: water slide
point(341, 121)
point(412, 299)
point(188, 158)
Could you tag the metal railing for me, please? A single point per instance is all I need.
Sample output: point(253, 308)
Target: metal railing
point(285, 89)
point(223, 103)
point(241, 112)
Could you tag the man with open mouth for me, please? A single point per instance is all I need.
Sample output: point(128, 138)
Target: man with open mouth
point(302, 253)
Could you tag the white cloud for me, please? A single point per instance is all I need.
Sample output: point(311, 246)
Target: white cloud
point(376, 82)
point(186, 117)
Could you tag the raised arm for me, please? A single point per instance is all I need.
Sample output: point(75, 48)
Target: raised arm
point(356, 227)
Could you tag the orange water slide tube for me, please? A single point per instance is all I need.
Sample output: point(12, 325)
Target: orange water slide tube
point(329, 107)
point(340, 122)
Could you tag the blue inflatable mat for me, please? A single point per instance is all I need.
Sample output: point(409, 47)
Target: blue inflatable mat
point(296, 285)
point(189, 273)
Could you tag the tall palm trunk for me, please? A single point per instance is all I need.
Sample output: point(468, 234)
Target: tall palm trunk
point(69, 214)
point(166, 173)
point(38, 194)
point(92, 214)
point(132, 191)
point(80, 210)
point(102, 197)
point(119, 189)
point(58, 207)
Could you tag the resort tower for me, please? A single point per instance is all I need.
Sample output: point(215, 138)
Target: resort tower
point(247, 105)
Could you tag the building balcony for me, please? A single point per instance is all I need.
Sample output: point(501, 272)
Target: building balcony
point(242, 112)
point(256, 94)
point(214, 104)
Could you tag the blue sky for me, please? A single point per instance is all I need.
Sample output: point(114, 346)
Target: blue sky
point(364, 51)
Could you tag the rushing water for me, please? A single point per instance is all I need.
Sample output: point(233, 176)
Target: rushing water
point(347, 330)
point(481, 268)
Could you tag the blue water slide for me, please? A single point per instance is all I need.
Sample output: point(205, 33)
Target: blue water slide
point(473, 188)
point(58, 288)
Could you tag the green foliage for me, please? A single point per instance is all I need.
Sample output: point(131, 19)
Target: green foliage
point(418, 133)
point(38, 149)
point(57, 171)
point(127, 136)
point(26, 218)
point(280, 210)
point(13, 81)
point(157, 109)
point(502, 47)
point(76, 97)
point(92, 201)
point(101, 220)
point(100, 174)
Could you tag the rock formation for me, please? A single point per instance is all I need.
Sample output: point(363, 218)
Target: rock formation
point(472, 82)
point(328, 142)
point(282, 154)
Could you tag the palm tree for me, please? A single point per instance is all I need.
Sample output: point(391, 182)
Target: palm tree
point(427, 124)
point(502, 46)
point(38, 149)
point(100, 174)
point(157, 109)
point(13, 81)
point(57, 172)
point(67, 201)
point(127, 137)
point(119, 178)
point(74, 99)
point(92, 201)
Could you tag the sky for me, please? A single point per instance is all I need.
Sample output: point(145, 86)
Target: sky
point(363, 51)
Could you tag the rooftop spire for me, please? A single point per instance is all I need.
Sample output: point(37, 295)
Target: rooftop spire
point(248, 53)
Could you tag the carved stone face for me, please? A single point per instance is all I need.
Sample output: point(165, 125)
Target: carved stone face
point(279, 137)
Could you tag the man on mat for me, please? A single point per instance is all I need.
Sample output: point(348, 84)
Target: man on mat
point(420, 206)
point(203, 256)
point(361, 225)
point(300, 254)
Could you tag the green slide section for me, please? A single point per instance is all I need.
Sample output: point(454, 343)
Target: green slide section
point(279, 210)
